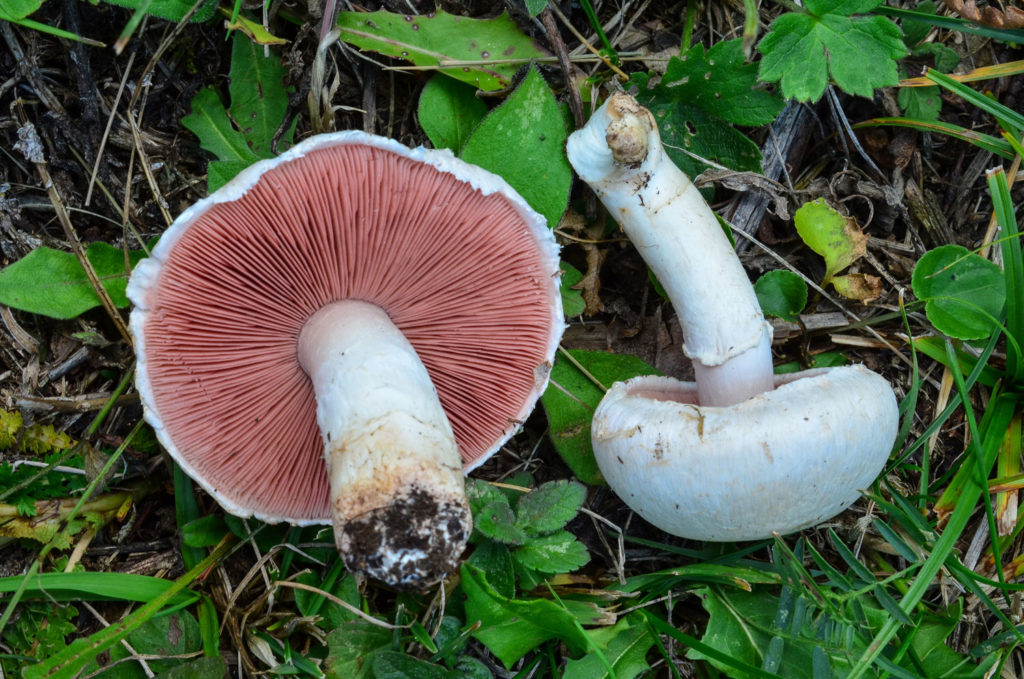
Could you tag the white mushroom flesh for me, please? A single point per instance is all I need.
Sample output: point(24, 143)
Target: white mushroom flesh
point(619, 154)
point(397, 493)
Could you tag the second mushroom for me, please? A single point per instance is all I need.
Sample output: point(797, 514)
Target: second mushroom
point(740, 454)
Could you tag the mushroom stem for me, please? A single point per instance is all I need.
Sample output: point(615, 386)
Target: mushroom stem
point(397, 490)
point(619, 154)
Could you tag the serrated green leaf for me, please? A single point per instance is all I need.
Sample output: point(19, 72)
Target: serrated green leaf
point(448, 112)
point(572, 300)
point(480, 494)
point(52, 283)
point(698, 97)
point(963, 292)
point(498, 522)
point(428, 40)
point(803, 50)
point(836, 238)
point(241, 134)
point(782, 294)
point(623, 647)
point(571, 398)
point(523, 140)
point(559, 552)
point(549, 507)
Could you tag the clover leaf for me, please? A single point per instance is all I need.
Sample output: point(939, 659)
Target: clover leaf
point(698, 100)
point(831, 39)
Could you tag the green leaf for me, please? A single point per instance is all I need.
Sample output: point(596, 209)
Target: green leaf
point(559, 552)
point(803, 50)
point(429, 40)
point(782, 294)
point(572, 300)
point(964, 293)
point(922, 103)
point(12, 10)
point(497, 522)
point(571, 398)
point(495, 560)
point(171, 10)
point(396, 665)
point(242, 134)
point(350, 647)
point(523, 140)
point(53, 283)
point(206, 531)
point(511, 628)
point(623, 647)
point(698, 100)
point(448, 112)
point(836, 238)
point(174, 634)
point(200, 668)
point(549, 507)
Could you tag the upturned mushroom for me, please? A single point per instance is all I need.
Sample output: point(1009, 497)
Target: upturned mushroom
point(741, 454)
point(392, 312)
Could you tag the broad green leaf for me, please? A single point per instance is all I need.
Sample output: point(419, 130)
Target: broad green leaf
point(429, 40)
point(964, 293)
point(480, 494)
point(836, 238)
point(550, 506)
point(623, 647)
point(448, 112)
point(258, 97)
point(698, 100)
point(12, 10)
point(241, 134)
point(164, 635)
point(495, 560)
point(804, 50)
point(172, 10)
point(523, 140)
point(469, 667)
point(511, 628)
point(571, 398)
point(921, 103)
point(206, 531)
point(559, 552)
point(53, 283)
point(350, 648)
point(572, 300)
point(210, 122)
point(782, 294)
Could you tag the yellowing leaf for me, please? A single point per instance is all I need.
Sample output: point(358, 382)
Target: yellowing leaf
point(836, 238)
point(252, 29)
point(858, 286)
point(485, 53)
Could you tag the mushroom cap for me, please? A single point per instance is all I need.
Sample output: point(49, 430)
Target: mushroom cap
point(776, 463)
point(458, 260)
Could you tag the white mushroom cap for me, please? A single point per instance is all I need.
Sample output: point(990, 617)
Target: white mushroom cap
point(776, 463)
